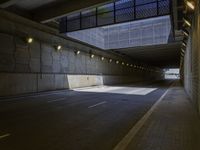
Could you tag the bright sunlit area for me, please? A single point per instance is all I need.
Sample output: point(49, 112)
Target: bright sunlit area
point(172, 73)
point(118, 90)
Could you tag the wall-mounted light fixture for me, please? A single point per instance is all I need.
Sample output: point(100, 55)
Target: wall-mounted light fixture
point(110, 60)
point(102, 58)
point(77, 52)
point(182, 50)
point(190, 4)
point(29, 40)
point(187, 22)
point(58, 47)
point(92, 56)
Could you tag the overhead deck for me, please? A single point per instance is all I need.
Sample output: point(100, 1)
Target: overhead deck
point(115, 12)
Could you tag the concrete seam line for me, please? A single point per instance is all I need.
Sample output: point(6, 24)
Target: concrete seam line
point(5, 135)
point(122, 145)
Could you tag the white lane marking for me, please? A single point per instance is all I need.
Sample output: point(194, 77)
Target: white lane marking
point(97, 104)
point(55, 100)
point(122, 145)
point(4, 136)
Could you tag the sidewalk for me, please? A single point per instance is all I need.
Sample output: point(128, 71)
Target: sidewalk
point(174, 125)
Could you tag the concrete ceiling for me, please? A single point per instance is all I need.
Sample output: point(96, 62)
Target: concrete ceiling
point(32, 4)
point(164, 56)
point(47, 10)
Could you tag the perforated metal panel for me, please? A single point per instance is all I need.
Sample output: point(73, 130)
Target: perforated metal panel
point(150, 31)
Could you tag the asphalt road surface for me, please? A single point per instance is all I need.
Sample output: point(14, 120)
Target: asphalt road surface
point(94, 118)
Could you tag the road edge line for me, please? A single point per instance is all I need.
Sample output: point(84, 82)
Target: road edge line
point(122, 145)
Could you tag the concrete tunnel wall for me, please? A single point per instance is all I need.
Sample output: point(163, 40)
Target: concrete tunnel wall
point(191, 66)
point(27, 68)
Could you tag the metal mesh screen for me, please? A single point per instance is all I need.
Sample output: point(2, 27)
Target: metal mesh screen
point(105, 18)
point(124, 15)
point(73, 22)
point(163, 7)
point(88, 18)
point(105, 14)
point(115, 12)
point(124, 4)
point(143, 2)
point(145, 11)
point(63, 25)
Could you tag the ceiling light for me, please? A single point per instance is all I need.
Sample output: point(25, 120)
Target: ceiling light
point(117, 62)
point(183, 50)
point(102, 58)
point(184, 44)
point(190, 4)
point(185, 33)
point(110, 60)
point(122, 63)
point(127, 64)
point(187, 22)
point(29, 40)
point(131, 65)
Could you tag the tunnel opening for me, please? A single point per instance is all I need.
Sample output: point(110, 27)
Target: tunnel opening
point(172, 73)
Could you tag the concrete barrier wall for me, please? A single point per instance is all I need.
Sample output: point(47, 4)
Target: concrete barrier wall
point(76, 81)
point(191, 65)
point(27, 68)
point(21, 83)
